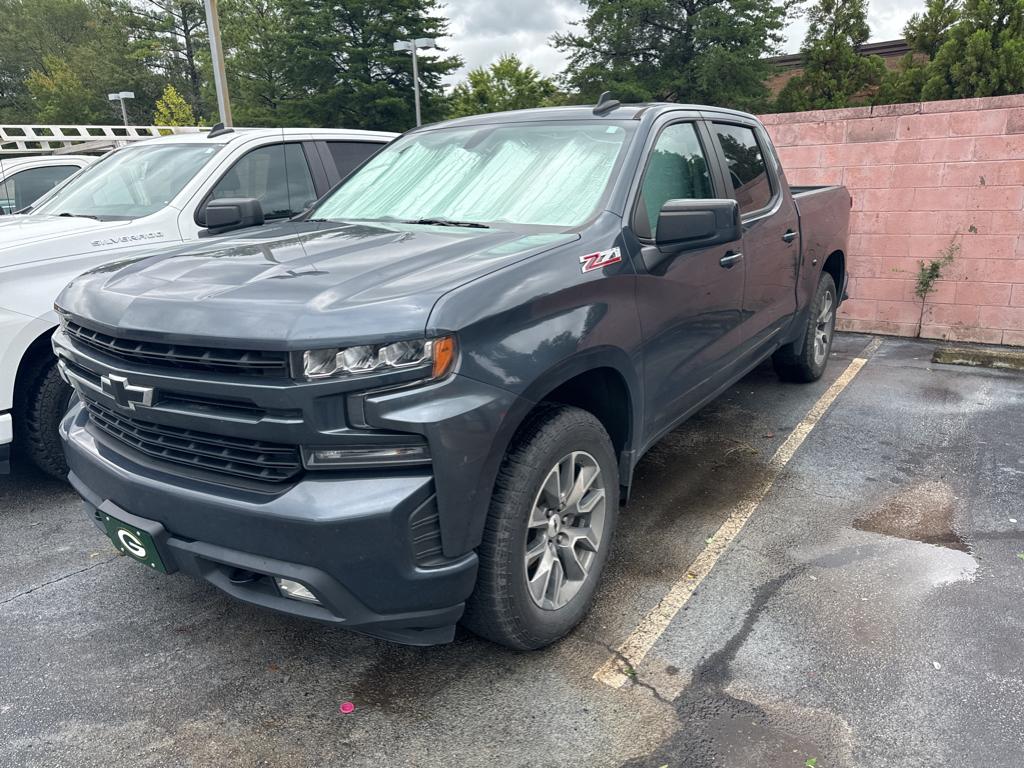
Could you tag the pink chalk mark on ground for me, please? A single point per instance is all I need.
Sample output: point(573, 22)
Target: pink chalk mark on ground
point(347, 708)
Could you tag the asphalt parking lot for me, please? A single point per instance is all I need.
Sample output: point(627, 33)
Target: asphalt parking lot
point(866, 613)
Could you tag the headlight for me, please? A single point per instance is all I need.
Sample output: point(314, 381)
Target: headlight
point(434, 356)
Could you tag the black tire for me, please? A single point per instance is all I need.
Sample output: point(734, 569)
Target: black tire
point(806, 363)
point(43, 403)
point(501, 607)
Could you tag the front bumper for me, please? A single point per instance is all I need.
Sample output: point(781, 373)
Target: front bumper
point(347, 538)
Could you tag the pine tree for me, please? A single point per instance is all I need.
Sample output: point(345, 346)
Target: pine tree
point(700, 51)
point(925, 33)
point(178, 30)
point(835, 73)
point(983, 55)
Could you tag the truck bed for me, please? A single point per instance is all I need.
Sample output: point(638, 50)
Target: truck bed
point(824, 221)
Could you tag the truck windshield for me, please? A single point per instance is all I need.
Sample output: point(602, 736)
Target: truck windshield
point(552, 174)
point(129, 183)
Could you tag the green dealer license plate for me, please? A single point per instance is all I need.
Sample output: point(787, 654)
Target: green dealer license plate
point(132, 541)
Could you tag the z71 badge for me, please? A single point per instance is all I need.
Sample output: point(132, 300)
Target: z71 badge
point(593, 261)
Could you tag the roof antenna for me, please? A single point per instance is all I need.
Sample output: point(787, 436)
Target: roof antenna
point(605, 103)
point(219, 130)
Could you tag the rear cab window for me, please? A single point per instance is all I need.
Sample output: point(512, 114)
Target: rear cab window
point(349, 155)
point(745, 162)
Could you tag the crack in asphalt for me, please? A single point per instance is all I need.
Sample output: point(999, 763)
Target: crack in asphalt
point(32, 589)
point(633, 675)
point(624, 664)
point(706, 697)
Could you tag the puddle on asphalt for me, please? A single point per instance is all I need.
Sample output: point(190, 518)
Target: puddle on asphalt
point(923, 513)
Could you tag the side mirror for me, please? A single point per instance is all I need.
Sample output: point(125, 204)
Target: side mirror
point(687, 224)
point(230, 213)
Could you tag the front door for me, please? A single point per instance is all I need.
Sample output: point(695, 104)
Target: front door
point(689, 305)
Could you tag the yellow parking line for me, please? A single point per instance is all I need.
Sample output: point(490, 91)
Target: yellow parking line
point(616, 671)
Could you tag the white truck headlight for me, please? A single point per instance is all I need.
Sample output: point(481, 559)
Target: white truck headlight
point(435, 356)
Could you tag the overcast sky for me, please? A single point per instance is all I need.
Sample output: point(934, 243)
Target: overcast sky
point(484, 29)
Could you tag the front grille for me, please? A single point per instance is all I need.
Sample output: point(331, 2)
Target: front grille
point(181, 356)
point(248, 459)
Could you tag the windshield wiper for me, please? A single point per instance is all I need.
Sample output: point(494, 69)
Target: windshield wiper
point(79, 216)
point(440, 221)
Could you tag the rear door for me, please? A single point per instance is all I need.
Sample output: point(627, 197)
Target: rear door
point(689, 305)
point(771, 246)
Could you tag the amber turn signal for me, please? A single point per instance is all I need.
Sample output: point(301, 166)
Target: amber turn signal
point(444, 356)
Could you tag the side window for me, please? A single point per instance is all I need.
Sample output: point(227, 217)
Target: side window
point(277, 175)
point(747, 169)
point(676, 170)
point(348, 155)
point(24, 188)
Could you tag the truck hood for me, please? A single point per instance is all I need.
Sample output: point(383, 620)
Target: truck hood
point(30, 238)
point(297, 283)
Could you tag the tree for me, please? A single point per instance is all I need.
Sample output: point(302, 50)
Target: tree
point(926, 32)
point(79, 50)
point(172, 109)
point(258, 63)
point(320, 62)
point(31, 31)
point(702, 51)
point(835, 73)
point(506, 84)
point(178, 29)
point(60, 97)
point(983, 54)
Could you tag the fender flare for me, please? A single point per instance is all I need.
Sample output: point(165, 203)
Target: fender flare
point(590, 359)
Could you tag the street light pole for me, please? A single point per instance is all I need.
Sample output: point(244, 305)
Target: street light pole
point(411, 46)
point(217, 56)
point(121, 96)
point(415, 85)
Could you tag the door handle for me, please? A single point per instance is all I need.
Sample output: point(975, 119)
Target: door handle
point(789, 237)
point(730, 260)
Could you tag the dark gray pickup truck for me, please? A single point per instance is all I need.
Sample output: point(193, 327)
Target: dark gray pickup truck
point(422, 402)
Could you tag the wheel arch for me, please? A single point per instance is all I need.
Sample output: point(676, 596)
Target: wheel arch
point(29, 345)
point(835, 265)
point(601, 381)
point(598, 378)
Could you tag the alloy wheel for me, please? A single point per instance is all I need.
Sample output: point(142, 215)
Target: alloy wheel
point(824, 328)
point(565, 530)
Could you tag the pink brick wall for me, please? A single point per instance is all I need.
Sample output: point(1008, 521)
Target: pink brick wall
point(921, 175)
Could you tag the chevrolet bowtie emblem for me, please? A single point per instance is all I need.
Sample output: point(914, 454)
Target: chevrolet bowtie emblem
point(126, 395)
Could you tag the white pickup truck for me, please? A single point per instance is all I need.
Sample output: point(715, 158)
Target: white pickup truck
point(23, 180)
point(136, 200)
